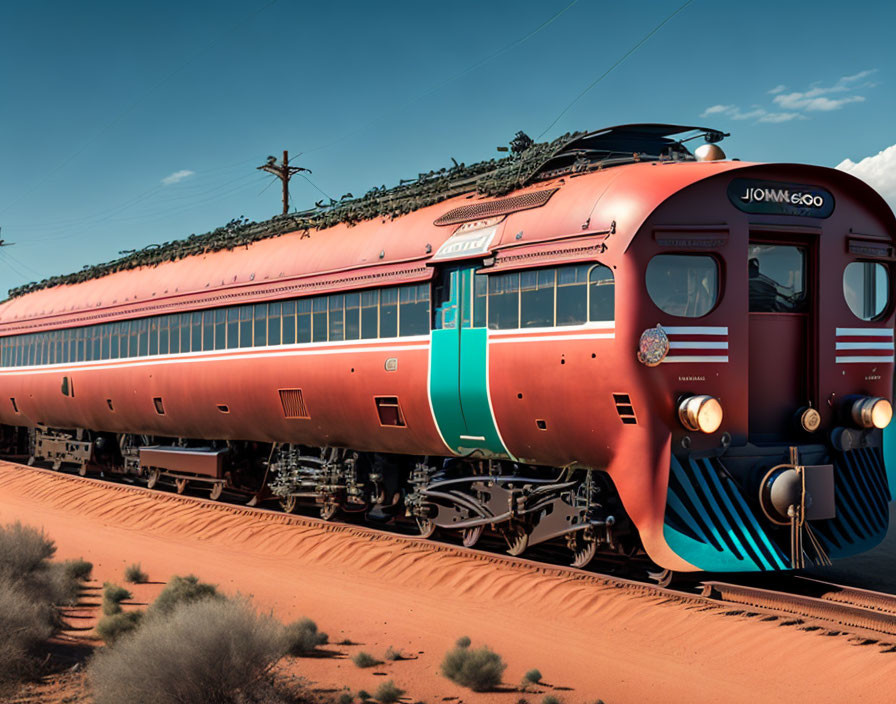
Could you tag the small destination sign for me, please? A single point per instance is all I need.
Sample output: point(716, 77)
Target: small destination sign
point(773, 198)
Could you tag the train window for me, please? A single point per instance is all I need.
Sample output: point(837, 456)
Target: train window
point(245, 326)
point(537, 298)
point(153, 336)
point(413, 316)
point(260, 338)
point(303, 320)
point(866, 287)
point(601, 294)
point(572, 294)
point(288, 313)
point(504, 301)
point(319, 319)
point(233, 330)
point(480, 300)
point(196, 332)
point(389, 312)
point(174, 334)
point(369, 314)
point(352, 316)
point(685, 285)
point(274, 321)
point(164, 323)
point(336, 305)
point(777, 278)
point(220, 329)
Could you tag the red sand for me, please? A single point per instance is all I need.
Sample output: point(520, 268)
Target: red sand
point(598, 641)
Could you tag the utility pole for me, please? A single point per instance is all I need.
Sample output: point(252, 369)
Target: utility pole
point(284, 172)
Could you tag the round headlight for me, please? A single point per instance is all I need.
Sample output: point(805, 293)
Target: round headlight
point(868, 412)
point(703, 413)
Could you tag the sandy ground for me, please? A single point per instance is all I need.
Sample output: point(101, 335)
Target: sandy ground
point(589, 641)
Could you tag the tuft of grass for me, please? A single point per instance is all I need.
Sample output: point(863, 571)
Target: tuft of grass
point(113, 595)
point(79, 569)
point(480, 669)
point(113, 626)
point(388, 693)
point(363, 695)
point(463, 642)
point(345, 698)
point(392, 654)
point(363, 659)
point(533, 676)
point(207, 650)
point(181, 590)
point(551, 699)
point(23, 549)
point(135, 574)
point(303, 637)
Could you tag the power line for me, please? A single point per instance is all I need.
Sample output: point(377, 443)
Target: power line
point(609, 70)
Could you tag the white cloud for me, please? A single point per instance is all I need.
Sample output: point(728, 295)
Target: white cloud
point(716, 109)
point(177, 177)
point(878, 171)
point(777, 89)
point(781, 117)
point(814, 100)
point(754, 113)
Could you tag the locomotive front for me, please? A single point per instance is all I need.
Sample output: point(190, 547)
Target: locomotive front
point(764, 331)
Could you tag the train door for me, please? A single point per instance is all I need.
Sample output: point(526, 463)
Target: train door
point(781, 282)
point(458, 370)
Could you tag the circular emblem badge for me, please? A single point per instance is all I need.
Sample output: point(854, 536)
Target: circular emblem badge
point(653, 346)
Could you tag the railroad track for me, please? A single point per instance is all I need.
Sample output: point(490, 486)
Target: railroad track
point(848, 609)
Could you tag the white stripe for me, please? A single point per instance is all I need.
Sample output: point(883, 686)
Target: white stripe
point(184, 359)
point(555, 338)
point(695, 358)
point(865, 346)
point(696, 331)
point(866, 332)
point(599, 325)
point(870, 360)
point(698, 345)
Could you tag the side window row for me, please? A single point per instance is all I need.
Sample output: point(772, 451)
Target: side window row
point(379, 313)
point(538, 298)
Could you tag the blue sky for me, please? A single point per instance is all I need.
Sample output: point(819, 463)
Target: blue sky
point(125, 124)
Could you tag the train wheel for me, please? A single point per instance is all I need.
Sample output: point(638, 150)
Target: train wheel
point(583, 550)
point(288, 504)
point(470, 536)
point(425, 526)
point(217, 490)
point(153, 478)
point(328, 510)
point(517, 539)
point(180, 485)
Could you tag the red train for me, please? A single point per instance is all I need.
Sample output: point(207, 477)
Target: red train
point(626, 350)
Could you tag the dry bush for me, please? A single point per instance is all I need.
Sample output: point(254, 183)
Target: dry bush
point(392, 654)
point(113, 626)
point(79, 569)
point(303, 637)
point(551, 699)
point(388, 693)
point(210, 651)
point(135, 574)
point(113, 595)
point(363, 659)
point(181, 590)
point(23, 549)
point(480, 669)
point(25, 623)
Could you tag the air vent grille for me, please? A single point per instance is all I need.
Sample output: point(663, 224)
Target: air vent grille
point(293, 403)
point(389, 411)
point(625, 409)
point(492, 208)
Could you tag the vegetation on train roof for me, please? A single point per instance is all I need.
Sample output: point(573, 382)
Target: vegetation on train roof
point(526, 163)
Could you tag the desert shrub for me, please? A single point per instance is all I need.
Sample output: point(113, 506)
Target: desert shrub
point(480, 669)
point(23, 549)
point(112, 627)
point(533, 676)
point(79, 569)
point(387, 693)
point(393, 654)
point(113, 595)
point(345, 698)
point(201, 651)
point(302, 637)
point(363, 659)
point(363, 695)
point(463, 642)
point(551, 699)
point(181, 590)
point(25, 623)
point(135, 574)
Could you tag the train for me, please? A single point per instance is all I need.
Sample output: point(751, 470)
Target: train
point(607, 345)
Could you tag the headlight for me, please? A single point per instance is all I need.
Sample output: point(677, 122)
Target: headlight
point(868, 412)
point(703, 413)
